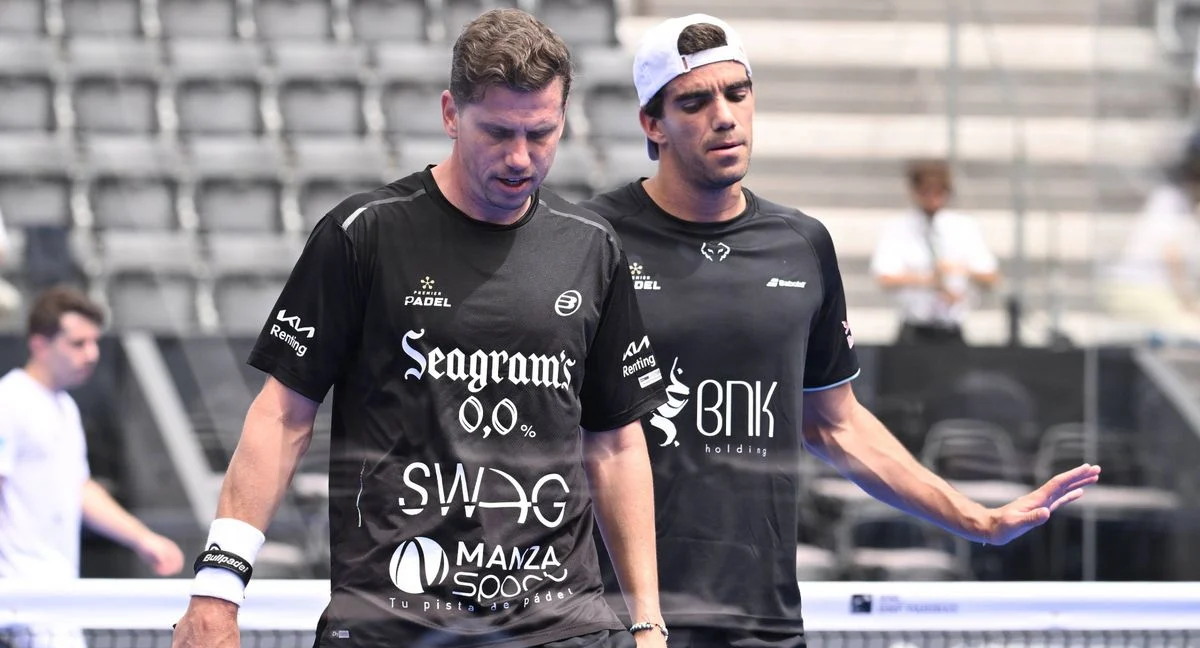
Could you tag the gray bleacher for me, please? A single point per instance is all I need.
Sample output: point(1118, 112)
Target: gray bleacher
point(192, 118)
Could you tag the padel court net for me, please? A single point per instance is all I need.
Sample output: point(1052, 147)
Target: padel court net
point(131, 613)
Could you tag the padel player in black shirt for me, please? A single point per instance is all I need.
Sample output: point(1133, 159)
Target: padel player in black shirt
point(744, 302)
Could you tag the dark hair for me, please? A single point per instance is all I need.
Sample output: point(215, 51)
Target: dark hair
point(920, 171)
point(507, 47)
point(693, 38)
point(45, 317)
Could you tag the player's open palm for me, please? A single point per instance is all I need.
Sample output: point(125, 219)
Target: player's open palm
point(1030, 511)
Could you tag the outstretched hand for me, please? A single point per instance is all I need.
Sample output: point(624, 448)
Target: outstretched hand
point(1027, 512)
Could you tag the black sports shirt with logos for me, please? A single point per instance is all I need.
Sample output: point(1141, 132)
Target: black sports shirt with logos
point(745, 315)
point(464, 358)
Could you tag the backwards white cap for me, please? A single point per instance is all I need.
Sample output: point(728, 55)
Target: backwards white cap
point(658, 60)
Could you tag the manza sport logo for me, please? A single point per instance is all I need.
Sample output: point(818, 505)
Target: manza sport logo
point(417, 565)
point(480, 577)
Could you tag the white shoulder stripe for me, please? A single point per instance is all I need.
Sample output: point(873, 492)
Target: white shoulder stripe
point(383, 201)
point(578, 218)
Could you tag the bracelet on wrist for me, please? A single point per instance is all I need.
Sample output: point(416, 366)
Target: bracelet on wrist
point(649, 625)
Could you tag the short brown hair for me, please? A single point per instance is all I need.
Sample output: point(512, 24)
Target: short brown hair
point(694, 38)
point(45, 317)
point(507, 47)
point(920, 171)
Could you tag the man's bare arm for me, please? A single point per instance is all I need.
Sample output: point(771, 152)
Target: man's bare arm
point(276, 434)
point(618, 471)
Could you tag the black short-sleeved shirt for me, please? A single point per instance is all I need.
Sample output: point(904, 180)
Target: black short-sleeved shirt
point(745, 315)
point(464, 358)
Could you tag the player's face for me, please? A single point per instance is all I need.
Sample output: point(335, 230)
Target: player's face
point(504, 146)
point(931, 196)
point(708, 124)
point(72, 354)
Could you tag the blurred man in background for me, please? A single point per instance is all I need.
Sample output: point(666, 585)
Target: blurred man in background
point(932, 258)
point(1153, 282)
point(46, 489)
point(10, 297)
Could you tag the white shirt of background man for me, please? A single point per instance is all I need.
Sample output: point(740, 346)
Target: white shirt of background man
point(1167, 222)
point(905, 248)
point(43, 467)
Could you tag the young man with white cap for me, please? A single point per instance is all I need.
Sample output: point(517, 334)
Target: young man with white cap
point(744, 301)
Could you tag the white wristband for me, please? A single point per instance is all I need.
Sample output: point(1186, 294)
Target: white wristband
point(236, 537)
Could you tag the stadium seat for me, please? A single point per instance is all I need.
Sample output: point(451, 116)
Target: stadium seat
point(320, 88)
point(212, 19)
point(149, 279)
point(411, 79)
point(416, 153)
point(581, 23)
point(391, 21)
point(114, 85)
point(612, 114)
point(36, 173)
point(877, 543)
point(989, 396)
point(298, 20)
point(132, 183)
point(624, 162)
point(102, 17)
point(575, 171)
point(244, 302)
point(253, 254)
point(29, 71)
point(967, 449)
point(248, 272)
point(330, 170)
point(23, 17)
point(238, 184)
point(218, 87)
point(457, 13)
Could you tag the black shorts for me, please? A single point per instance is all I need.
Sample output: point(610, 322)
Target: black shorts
point(689, 637)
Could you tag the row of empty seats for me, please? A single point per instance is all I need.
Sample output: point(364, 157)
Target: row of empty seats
point(580, 22)
point(227, 184)
point(208, 87)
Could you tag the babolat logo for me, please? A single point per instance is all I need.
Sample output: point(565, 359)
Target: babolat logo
point(776, 282)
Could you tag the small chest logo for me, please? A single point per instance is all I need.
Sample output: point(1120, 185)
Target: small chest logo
point(642, 279)
point(567, 303)
point(715, 251)
point(427, 295)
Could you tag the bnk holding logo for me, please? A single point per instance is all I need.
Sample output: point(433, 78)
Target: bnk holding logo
point(418, 564)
